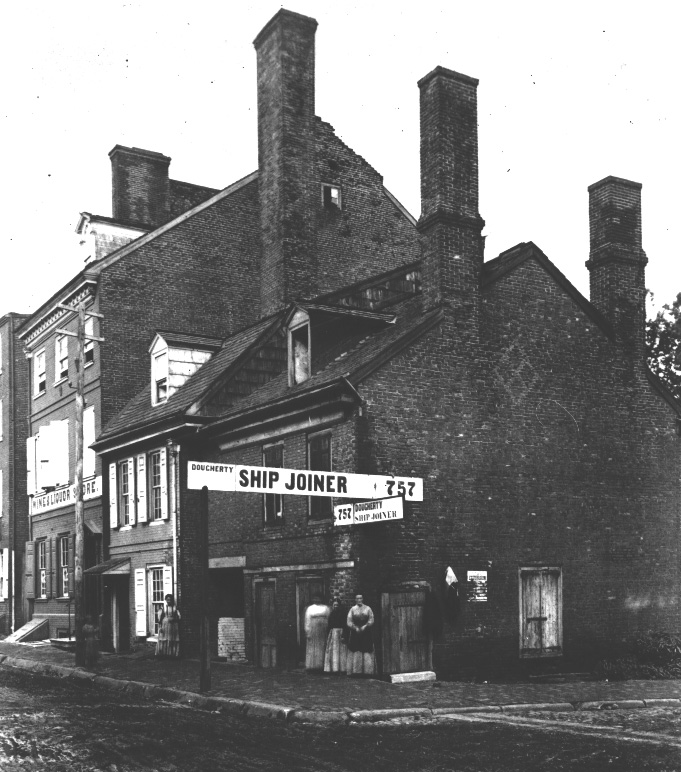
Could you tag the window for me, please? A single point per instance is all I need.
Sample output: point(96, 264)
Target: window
point(331, 196)
point(157, 597)
point(41, 572)
point(124, 492)
point(61, 358)
point(156, 498)
point(39, 376)
point(299, 354)
point(89, 348)
point(319, 460)
point(4, 571)
point(47, 457)
point(159, 377)
point(273, 456)
point(63, 574)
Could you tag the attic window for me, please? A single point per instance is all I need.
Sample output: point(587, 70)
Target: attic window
point(299, 354)
point(159, 377)
point(331, 196)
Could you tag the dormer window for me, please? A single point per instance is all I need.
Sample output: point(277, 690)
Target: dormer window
point(299, 350)
point(175, 357)
point(331, 195)
point(159, 377)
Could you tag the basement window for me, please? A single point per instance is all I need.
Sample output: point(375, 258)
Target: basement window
point(331, 196)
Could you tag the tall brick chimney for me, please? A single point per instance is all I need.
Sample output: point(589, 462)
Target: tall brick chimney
point(140, 186)
point(616, 258)
point(450, 224)
point(289, 192)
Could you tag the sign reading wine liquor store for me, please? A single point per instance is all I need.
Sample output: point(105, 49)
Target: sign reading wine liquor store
point(66, 495)
point(299, 482)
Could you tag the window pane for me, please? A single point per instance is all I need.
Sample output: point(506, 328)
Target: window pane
point(274, 502)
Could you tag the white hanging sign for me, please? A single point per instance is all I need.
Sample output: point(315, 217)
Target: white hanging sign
point(65, 495)
point(300, 482)
point(376, 511)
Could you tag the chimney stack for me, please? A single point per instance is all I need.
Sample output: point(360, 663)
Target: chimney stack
point(450, 223)
point(140, 186)
point(616, 258)
point(289, 193)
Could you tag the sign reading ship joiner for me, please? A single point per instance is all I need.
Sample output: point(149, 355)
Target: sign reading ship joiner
point(300, 482)
point(375, 511)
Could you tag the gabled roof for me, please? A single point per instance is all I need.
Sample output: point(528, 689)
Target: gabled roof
point(139, 411)
point(187, 340)
point(507, 261)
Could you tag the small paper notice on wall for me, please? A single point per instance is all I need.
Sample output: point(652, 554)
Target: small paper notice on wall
point(477, 586)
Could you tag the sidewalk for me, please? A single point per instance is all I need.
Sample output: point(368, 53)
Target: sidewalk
point(301, 696)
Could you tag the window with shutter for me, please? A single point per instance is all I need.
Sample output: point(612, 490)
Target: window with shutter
point(30, 466)
point(142, 488)
point(319, 459)
point(41, 569)
point(89, 455)
point(4, 573)
point(140, 603)
point(29, 570)
point(113, 497)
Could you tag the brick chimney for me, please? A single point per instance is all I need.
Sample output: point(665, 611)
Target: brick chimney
point(289, 192)
point(450, 224)
point(616, 258)
point(140, 186)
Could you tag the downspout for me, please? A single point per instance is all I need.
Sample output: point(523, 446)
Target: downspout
point(173, 452)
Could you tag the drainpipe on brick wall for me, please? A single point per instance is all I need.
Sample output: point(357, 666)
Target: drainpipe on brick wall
point(173, 451)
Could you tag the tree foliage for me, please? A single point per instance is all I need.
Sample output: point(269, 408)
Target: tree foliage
point(663, 341)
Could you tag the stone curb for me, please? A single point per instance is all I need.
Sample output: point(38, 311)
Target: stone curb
point(323, 717)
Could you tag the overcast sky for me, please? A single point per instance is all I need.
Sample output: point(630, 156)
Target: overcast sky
point(568, 94)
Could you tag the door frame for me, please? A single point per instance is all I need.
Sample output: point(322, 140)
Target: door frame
point(385, 645)
point(541, 654)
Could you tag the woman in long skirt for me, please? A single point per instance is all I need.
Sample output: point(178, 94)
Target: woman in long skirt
point(316, 623)
point(336, 648)
point(360, 643)
point(168, 641)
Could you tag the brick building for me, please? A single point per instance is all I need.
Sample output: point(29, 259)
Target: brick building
point(549, 454)
point(13, 502)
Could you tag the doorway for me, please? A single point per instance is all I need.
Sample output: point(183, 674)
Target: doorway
point(307, 588)
point(265, 624)
point(405, 642)
point(541, 612)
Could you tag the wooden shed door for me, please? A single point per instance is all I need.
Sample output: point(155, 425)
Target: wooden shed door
point(265, 625)
point(541, 633)
point(405, 643)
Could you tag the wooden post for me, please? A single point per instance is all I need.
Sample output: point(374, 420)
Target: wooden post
point(204, 682)
point(80, 523)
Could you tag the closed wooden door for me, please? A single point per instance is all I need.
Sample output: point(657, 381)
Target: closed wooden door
point(265, 625)
point(405, 642)
point(307, 589)
point(541, 633)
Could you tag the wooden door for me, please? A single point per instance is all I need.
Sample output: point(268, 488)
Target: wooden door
point(307, 588)
point(541, 633)
point(265, 625)
point(405, 642)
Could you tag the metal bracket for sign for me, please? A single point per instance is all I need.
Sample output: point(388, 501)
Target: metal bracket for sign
point(300, 482)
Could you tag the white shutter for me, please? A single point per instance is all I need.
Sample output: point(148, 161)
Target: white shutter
point(31, 443)
point(113, 497)
point(5, 573)
point(89, 455)
point(164, 486)
point(44, 476)
point(168, 581)
point(2, 506)
point(131, 489)
point(140, 603)
point(60, 452)
point(142, 488)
